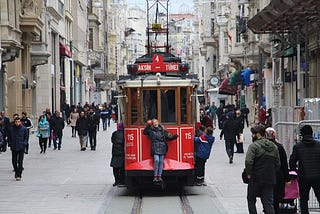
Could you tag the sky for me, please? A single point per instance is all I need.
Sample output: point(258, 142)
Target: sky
point(175, 6)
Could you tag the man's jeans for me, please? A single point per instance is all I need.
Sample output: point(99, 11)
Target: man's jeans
point(158, 164)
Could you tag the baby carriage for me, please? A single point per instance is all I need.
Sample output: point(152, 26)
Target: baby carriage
point(289, 203)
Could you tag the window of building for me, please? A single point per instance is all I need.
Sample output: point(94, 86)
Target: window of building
point(212, 7)
point(212, 27)
point(134, 106)
point(90, 45)
point(226, 42)
point(60, 7)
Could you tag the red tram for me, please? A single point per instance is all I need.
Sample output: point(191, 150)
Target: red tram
point(158, 85)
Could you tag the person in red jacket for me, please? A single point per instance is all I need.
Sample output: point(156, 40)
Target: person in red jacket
point(262, 116)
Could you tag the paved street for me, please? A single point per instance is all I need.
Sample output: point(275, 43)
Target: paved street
point(72, 181)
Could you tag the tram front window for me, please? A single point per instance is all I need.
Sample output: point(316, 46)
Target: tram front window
point(150, 108)
point(168, 106)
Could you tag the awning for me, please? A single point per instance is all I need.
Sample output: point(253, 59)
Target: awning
point(235, 78)
point(64, 50)
point(227, 89)
point(282, 15)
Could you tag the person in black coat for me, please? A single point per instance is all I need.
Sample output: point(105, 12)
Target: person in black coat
point(57, 126)
point(159, 147)
point(93, 122)
point(82, 126)
point(230, 132)
point(17, 140)
point(282, 175)
point(240, 125)
point(117, 160)
point(307, 155)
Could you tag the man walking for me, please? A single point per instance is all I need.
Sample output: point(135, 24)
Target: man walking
point(82, 127)
point(307, 155)
point(213, 112)
point(28, 124)
point(230, 132)
point(17, 140)
point(93, 121)
point(57, 126)
point(262, 162)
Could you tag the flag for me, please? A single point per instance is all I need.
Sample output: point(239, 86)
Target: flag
point(229, 36)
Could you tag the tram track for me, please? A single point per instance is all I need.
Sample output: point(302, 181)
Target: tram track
point(181, 199)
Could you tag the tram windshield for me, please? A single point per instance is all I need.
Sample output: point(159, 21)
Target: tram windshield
point(169, 105)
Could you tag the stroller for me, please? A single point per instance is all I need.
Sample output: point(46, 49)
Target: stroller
point(289, 203)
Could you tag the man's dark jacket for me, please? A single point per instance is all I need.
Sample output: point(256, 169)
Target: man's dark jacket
point(82, 126)
point(58, 125)
point(307, 154)
point(18, 138)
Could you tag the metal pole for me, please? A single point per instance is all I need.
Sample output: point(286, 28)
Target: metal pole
point(106, 47)
point(260, 94)
point(298, 73)
point(71, 75)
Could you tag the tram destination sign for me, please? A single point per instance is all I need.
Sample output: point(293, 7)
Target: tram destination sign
point(158, 65)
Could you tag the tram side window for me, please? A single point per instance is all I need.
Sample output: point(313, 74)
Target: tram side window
point(134, 106)
point(183, 105)
point(168, 106)
point(150, 107)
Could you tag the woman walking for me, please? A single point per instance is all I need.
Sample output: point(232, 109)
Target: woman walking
point(73, 119)
point(43, 133)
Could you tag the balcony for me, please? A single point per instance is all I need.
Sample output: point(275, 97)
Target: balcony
point(39, 54)
point(94, 58)
point(31, 24)
point(209, 41)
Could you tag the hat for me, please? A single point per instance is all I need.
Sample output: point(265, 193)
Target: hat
point(120, 126)
point(306, 130)
point(269, 133)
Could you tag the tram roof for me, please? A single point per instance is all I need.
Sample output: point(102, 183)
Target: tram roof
point(154, 81)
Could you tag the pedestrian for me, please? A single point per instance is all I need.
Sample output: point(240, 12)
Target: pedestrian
point(240, 126)
point(219, 114)
point(262, 116)
point(57, 126)
point(5, 127)
point(261, 163)
point(17, 140)
point(93, 121)
point(159, 147)
point(245, 111)
point(230, 132)
point(269, 118)
point(307, 154)
point(117, 160)
point(49, 118)
point(203, 146)
point(43, 133)
point(205, 119)
point(74, 116)
point(82, 126)
point(28, 124)
point(213, 112)
point(104, 117)
point(282, 174)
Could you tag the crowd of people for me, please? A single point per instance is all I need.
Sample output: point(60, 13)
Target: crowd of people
point(265, 162)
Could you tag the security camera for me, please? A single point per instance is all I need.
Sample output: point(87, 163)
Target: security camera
point(158, 75)
point(34, 82)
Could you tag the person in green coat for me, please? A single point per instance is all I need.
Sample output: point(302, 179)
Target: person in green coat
point(261, 163)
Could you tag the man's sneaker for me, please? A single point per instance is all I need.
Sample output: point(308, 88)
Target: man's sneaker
point(121, 185)
point(155, 179)
point(18, 178)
